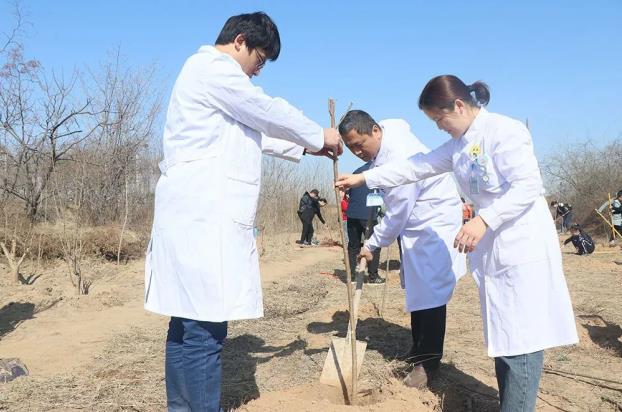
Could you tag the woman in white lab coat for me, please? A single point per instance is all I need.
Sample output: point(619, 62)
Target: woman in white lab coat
point(524, 299)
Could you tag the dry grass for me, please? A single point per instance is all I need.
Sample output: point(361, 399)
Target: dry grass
point(286, 349)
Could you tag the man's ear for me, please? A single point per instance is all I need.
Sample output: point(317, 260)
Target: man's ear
point(239, 41)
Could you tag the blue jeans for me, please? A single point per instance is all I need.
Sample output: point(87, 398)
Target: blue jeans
point(519, 378)
point(193, 367)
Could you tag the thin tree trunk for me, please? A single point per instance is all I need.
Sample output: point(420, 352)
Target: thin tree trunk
point(124, 223)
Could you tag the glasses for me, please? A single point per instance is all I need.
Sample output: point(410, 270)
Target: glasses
point(261, 60)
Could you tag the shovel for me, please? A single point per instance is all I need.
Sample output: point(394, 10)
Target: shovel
point(338, 370)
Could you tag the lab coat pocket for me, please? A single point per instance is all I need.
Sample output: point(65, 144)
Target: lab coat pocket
point(241, 200)
point(514, 246)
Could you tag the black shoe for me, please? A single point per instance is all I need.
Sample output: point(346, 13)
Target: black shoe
point(298, 242)
point(376, 280)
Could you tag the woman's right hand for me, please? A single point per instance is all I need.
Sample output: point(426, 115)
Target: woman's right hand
point(345, 182)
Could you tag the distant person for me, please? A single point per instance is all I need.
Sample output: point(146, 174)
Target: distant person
point(563, 211)
point(308, 208)
point(345, 202)
point(358, 214)
point(582, 242)
point(467, 211)
point(512, 243)
point(202, 265)
point(616, 215)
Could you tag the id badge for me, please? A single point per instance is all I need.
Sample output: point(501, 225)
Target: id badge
point(374, 199)
point(473, 182)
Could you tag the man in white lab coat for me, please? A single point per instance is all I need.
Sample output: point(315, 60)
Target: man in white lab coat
point(202, 267)
point(426, 216)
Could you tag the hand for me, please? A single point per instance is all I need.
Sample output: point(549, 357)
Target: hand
point(333, 146)
point(327, 152)
point(365, 254)
point(345, 182)
point(470, 234)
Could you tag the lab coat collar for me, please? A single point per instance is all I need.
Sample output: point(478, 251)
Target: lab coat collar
point(213, 50)
point(382, 150)
point(477, 125)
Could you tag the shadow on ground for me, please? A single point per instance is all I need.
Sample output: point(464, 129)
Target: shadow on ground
point(457, 390)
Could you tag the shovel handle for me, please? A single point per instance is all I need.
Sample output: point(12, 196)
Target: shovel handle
point(362, 266)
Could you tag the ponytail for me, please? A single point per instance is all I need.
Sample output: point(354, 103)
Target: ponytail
point(481, 92)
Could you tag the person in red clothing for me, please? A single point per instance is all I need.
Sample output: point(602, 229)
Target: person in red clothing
point(467, 211)
point(345, 202)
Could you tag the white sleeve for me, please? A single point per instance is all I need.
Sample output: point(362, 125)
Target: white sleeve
point(400, 202)
point(233, 93)
point(603, 206)
point(515, 160)
point(281, 149)
point(415, 168)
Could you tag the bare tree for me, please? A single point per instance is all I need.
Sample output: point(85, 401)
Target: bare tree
point(10, 38)
point(70, 214)
point(129, 106)
point(41, 124)
point(583, 175)
point(15, 261)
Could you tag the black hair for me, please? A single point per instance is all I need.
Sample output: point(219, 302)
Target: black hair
point(259, 31)
point(442, 91)
point(357, 120)
point(619, 193)
point(317, 192)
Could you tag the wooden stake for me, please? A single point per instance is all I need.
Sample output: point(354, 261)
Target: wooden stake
point(386, 283)
point(352, 331)
point(609, 223)
point(613, 230)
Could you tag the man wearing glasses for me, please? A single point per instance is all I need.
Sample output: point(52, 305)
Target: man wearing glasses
point(202, 268)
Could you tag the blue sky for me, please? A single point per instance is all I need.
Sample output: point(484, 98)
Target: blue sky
point(558, 63)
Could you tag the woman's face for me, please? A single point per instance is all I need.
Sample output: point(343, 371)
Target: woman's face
point(455, 122)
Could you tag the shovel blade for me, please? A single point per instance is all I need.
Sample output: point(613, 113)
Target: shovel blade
point(337, 369)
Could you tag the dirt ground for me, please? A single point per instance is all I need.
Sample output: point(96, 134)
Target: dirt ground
point(103, 352)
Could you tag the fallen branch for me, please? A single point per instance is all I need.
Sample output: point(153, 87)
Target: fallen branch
point(578, 376)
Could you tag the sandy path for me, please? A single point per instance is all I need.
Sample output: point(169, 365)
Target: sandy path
point(68, 336)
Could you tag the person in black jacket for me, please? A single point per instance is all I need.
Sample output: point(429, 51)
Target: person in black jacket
point(581, 240)
point(309, 206)
point(563, 210)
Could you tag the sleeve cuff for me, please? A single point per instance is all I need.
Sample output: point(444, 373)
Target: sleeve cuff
point(318, 142)
point(492, 218)
point(370, 244)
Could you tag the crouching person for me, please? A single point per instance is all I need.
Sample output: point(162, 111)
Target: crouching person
point(580, 240)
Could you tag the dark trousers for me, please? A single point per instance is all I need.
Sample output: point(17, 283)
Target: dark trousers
point(307, 227)
point(193, 366)
point(356, 230)
point(566, 222)
point(428, 331)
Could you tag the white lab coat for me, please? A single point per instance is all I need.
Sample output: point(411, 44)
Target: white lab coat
point(426, 215)
point(517, 265)
point(202, 262)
